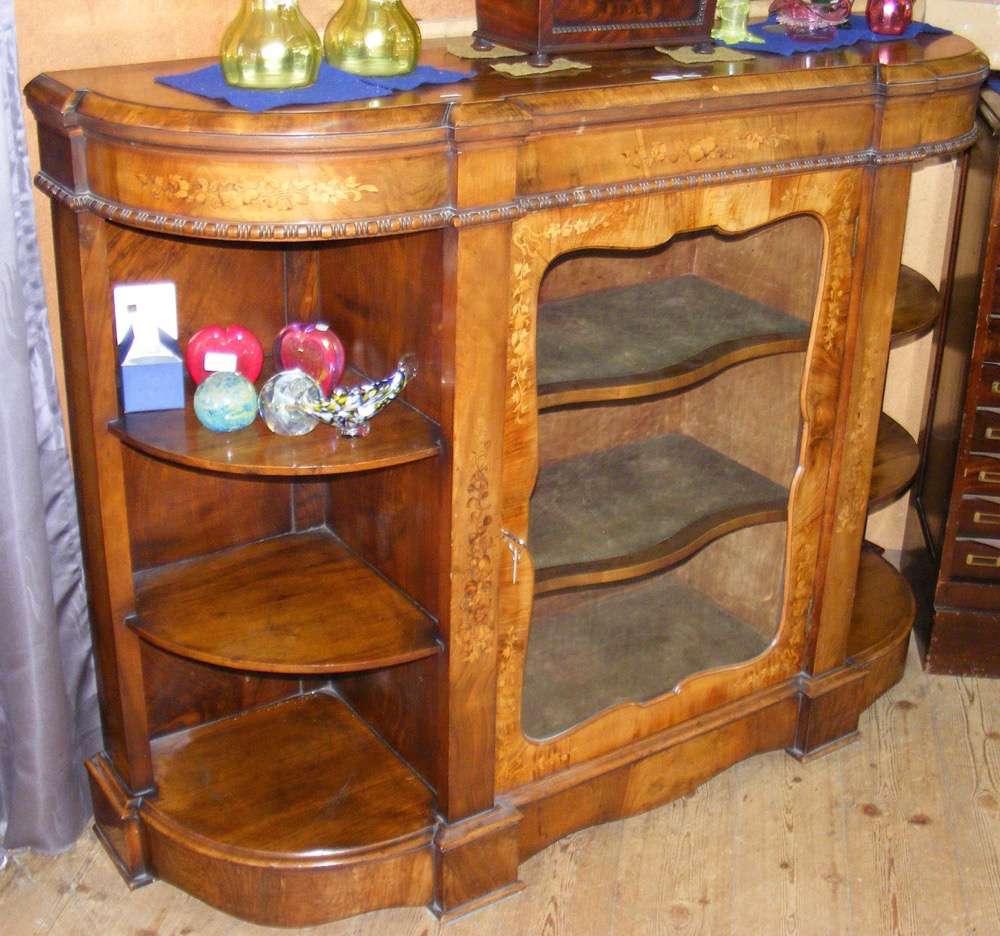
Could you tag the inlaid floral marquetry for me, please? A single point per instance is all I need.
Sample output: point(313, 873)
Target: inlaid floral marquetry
point(662, 154)
point(530, 261)
point(253, 193)
point(477, 627)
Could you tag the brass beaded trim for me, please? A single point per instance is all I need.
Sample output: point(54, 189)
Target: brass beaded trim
point(445, 216)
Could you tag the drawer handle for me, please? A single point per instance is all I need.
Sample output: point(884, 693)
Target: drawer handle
point(995, 386)
point(986, 518)
point(988, 562)
point(993, 433)
point(989, 477)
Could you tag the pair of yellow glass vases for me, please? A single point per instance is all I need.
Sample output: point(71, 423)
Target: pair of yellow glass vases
point(271, 45)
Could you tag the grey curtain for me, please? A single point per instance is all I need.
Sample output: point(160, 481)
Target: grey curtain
point(48, 700)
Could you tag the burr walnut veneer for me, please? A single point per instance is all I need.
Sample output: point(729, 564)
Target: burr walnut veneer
point(610, 541)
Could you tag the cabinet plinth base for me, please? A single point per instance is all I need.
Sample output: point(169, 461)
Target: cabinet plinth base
point(117, 823)
point(477, 861)
point(205, 831)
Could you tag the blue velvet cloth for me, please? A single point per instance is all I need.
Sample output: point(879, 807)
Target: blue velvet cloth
point(993, 82)
point(331, 87)
point(776, 40)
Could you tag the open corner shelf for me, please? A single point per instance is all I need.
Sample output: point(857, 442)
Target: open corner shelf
point(897, 459)
point(398, 435)
point(583, 531)
point(652, 338)
point(917, 308)
point(884, 608)
point(299, 603)
point(327, 793)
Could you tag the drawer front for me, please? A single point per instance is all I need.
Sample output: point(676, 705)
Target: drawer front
point(976, 560)
point(986, 432)
point(980, 475)
point(991, 349)
point(988, 386)
point(979, 516)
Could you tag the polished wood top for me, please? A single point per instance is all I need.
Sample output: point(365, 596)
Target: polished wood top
point(924, 57)
point(155, 158)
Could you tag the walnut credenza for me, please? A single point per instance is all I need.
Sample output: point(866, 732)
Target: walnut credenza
point(609, 544)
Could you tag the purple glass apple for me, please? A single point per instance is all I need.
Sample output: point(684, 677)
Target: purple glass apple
point(889, 17)
point(312, 347)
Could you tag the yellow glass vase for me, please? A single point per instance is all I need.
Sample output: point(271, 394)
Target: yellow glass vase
point(270, 45)
point(372, 37)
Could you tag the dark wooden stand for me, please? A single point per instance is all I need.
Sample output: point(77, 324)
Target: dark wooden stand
point(952, 551)
point(611, 540)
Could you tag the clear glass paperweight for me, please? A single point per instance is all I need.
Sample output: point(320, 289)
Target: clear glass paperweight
point(284, 400)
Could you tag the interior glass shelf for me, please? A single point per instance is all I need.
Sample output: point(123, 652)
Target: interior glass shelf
point(623, 643)
point(670, 330)
point(663, 494)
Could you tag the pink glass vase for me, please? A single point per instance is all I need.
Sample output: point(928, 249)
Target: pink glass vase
point(889, 17)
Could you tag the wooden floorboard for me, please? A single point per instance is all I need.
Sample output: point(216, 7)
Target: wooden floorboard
point(898, 833)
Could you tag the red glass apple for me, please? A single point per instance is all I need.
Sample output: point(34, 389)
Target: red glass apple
point(312, 347)
point(215, 348)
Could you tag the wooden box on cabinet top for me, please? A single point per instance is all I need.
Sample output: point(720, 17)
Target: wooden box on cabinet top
point(545, 26)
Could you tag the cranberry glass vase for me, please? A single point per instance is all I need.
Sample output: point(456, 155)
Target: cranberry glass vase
point(889, 17)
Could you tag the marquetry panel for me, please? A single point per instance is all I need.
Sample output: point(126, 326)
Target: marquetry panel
point(648, 150)
point(257, 187)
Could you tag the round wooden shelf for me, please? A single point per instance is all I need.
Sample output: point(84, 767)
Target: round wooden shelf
point(897, 459)
point(918, 305)
point(292, 798)
point(293, 604)
point(398, 435)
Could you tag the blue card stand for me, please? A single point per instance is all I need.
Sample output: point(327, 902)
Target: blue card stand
point(151, 382)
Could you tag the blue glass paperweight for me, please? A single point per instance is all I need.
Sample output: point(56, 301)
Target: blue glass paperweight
point(225, 402)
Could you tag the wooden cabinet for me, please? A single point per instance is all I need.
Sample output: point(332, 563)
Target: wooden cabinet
point(953, 549)
point(609, 543)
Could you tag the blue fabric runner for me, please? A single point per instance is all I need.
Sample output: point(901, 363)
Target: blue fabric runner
point(776, 40)
point(331, 87)
point(993, 82)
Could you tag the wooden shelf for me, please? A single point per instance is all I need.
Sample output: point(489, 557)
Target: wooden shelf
point(631, 510)
point(918, 305)
point(651, 338)
point(623, 643)
point(883, 606)
point(884, 611)
point(294, 604)
point(897, 459)
point(399, 434)
point(284, 792)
